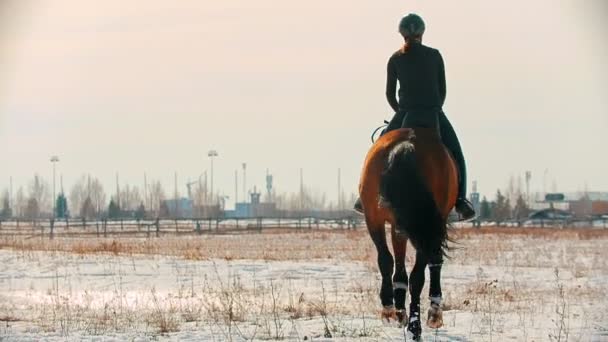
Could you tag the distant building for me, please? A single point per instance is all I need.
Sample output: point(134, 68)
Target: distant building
point(579, 204)
point(181, 207)
point(253, 209)
point(589, 204)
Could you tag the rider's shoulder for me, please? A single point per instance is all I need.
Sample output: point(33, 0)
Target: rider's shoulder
point(431, 50)
point(397, 54)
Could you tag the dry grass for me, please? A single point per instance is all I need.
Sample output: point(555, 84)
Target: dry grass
point(294, 245)
point(234, 310)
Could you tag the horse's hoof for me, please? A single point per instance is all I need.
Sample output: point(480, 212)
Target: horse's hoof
point(401, 317)
point(414, 330)
point(435, 317)
point(389, 313)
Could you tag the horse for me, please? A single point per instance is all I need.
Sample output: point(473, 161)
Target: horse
point(409, 180)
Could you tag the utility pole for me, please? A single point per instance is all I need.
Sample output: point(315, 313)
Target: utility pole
point(236, 187)
point(117, 192)
point(301, 189)
point(205, 196)
point(245, 183)
point(339, 191)
point(175, 194)
point(211, 154)
point(146, 192)
point(10, 193)
point(54, 160)
point(528, 177)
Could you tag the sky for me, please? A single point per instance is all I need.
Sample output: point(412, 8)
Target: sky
point(134, 87)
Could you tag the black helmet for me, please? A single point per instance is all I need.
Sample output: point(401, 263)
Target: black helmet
point(411, 25)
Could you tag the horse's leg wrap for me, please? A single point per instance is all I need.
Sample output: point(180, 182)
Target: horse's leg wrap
point(413, 326)
point(435, 286)
point(400, 294)
point(435, 314)
point(386, 264)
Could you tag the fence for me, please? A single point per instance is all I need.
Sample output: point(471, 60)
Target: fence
point(189, 226)
point(158, 227)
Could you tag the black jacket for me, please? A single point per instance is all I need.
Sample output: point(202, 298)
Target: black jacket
point(421, 75)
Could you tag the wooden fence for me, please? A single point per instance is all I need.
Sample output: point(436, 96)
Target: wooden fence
point(159, 227)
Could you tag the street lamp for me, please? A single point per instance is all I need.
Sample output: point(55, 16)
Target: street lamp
point(211, 154)
point(54, 160)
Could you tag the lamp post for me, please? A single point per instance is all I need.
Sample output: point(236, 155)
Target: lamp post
point(54, 160)
point(211, 154)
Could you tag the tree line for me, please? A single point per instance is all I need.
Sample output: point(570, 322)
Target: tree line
point(500, 209)
point(88, 199)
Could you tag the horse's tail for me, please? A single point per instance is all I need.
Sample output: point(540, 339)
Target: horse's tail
point(416, 213)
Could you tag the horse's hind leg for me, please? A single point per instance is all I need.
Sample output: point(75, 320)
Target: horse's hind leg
point(385, 264)
point(435, 314)
point(400, 276)
point(416, 285)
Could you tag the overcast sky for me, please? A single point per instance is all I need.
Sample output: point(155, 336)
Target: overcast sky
point(152, 85)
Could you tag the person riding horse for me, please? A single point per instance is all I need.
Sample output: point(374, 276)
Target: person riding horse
point(421, 74)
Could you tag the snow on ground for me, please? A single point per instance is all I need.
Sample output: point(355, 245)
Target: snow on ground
point(542, 293)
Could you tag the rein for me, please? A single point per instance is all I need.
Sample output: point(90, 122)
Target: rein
point(377, 129)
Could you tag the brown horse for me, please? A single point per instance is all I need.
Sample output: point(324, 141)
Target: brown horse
point(409, 180)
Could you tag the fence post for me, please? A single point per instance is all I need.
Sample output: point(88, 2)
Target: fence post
point(157, 227)
point(17, 222)
point(148, 233)
point(198, 227)
point(52, 222)
point(105, 227)
point(67, 224)
point(121, 226)
point(97, 226)
point(176, 230)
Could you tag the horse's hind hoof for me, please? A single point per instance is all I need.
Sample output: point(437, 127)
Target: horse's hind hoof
point(401, 317)
point(389, 313)
point(435, 317)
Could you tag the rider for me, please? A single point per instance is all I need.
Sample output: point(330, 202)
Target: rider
point(421, 75)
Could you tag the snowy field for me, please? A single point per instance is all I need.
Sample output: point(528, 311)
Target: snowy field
point(500, 285)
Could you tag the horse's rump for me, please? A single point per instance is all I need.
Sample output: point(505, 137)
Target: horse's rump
point(416, 176)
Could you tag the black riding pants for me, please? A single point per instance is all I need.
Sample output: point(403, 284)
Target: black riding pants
point(448, 137)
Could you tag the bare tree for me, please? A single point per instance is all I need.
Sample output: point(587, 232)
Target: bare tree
point(157, 195)
point(79, 194)
point(98, 196)
point(315, 199)
point(5, 206)
point(32, 211)
point(20, 203)
point(130, 198)
point(199, 195)
point(87, 210)
point(39, 191)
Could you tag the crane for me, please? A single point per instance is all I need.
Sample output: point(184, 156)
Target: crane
point(189, 184)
